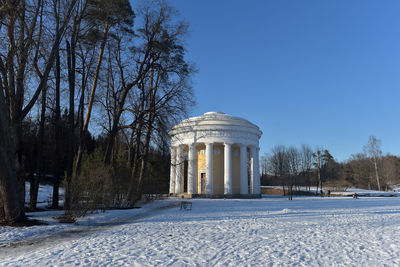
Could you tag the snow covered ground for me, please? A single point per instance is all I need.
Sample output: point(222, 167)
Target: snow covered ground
point(45, 194)
point(345, 192)
point(366, 192)
point(308, 231)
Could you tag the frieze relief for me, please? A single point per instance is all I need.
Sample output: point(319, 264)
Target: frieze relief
point(201, 136)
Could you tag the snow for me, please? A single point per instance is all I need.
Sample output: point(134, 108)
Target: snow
point(308, 231)
point(345, 192)
point(45, 194)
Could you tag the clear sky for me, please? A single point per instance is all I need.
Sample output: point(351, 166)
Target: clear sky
point(323, 73)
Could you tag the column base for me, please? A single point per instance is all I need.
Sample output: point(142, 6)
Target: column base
point(218, 196)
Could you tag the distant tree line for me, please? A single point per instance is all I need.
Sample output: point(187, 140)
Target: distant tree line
point(69, 64)
point(292, 167)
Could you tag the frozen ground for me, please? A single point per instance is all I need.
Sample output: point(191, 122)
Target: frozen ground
point(346, 191)
point(262, 232)
point(45, 194)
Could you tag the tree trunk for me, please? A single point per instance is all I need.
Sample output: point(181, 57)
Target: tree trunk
point(136, 156)
point(135, 167)
point(71, 120)
point(111, 139)
point(12, 111)
point(81, 147)
point(150, 120)
point(57, 132)
point(40, 157)
point(116, 119)
point(319, 171)
point(82, 101)
point(11, 207)
point(139, 188)
point(376, 173)
point(131, 150)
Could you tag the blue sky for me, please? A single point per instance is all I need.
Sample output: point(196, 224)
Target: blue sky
point(323, 73)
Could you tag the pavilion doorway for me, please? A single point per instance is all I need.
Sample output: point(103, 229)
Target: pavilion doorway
point(203, 182)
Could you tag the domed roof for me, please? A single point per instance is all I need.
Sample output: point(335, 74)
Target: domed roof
point(216, 118)
point(212, 122)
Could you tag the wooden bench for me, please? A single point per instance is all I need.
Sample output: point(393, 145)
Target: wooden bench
point(186, 205)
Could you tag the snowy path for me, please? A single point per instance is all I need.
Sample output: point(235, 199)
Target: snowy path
point(263, 232)
point(49, 238)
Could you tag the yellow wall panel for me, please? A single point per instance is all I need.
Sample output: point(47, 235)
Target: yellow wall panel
point(235, 170)
point(218, 172)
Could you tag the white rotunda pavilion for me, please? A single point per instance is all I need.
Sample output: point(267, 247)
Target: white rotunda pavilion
point(215, 155)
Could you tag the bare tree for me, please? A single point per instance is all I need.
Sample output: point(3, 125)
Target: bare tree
point(159, 40)
point(359, 170)
point(317, 163)
point(373, 150)
point(142, 98)
point(57, 111)
point(102, 15)
point(264, 164)
point(322, 159)
point(293, 158)
point(278, 164)
point(75, 34)
point(306, 163)
point(306, 158)
point(23, 51)
point(390, 170)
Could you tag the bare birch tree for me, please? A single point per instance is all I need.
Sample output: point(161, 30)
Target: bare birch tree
point(373, 150)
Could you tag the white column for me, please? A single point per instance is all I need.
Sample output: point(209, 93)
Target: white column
point(257, 183)
point(209, 169)
point(228, 169)
point(179, 171)
point(173, 171)
point(255, 172)
point(198, 173)
point(243, 170)
point(191, 156)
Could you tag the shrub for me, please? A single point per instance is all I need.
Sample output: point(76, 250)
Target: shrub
point(92, 189)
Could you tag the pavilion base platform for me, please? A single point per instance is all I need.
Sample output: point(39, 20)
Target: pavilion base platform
point(216, 196)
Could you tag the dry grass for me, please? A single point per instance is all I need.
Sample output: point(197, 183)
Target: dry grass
point(271, 191)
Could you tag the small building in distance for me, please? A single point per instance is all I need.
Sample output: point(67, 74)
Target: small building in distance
point(215, 155)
